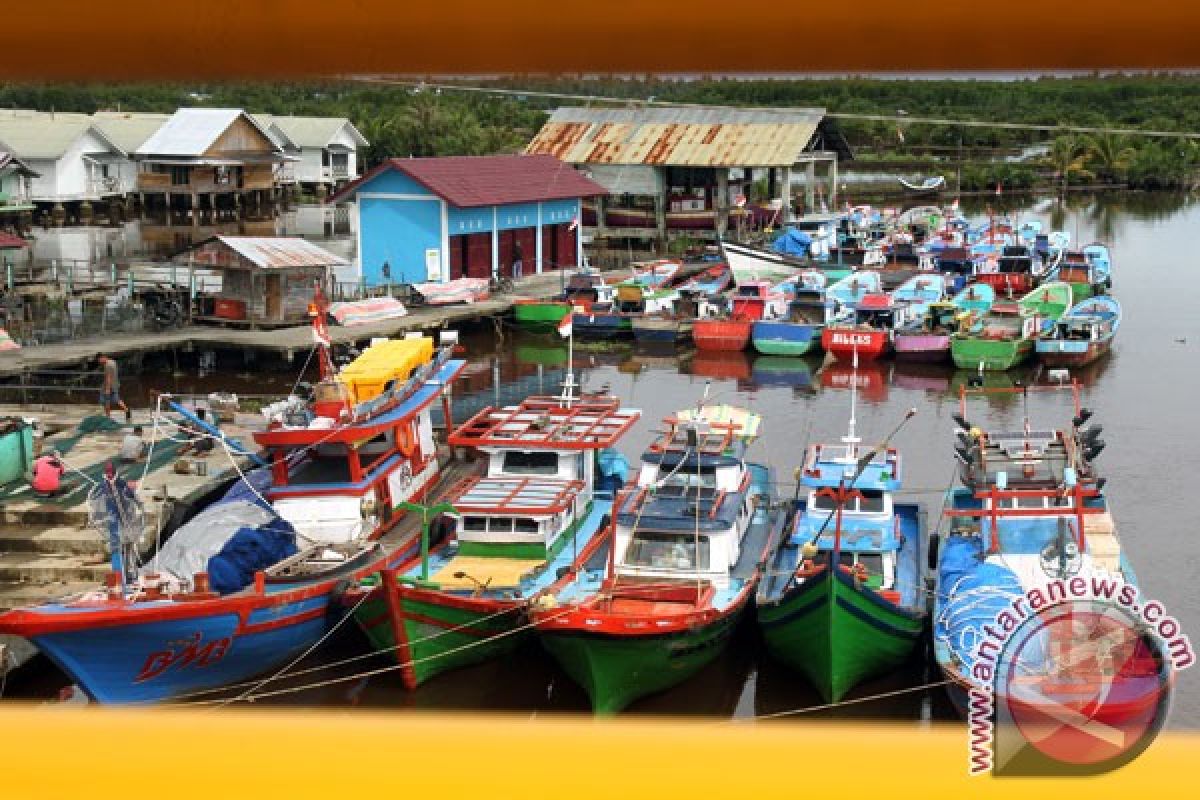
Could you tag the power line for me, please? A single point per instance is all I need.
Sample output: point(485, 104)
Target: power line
point(893, 118)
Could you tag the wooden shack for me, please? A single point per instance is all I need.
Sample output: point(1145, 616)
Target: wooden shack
point(264, 279)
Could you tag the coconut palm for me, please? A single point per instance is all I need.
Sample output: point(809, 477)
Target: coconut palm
point(1110, 154)
point(1068, 156)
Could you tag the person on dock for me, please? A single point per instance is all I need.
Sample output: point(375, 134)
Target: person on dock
point(47, 475)
point(200, 441)
point(133, 447)
point(517, 267)
point(110, 394)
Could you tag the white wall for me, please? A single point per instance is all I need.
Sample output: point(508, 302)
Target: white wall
point(67, 178)
point(308, 168)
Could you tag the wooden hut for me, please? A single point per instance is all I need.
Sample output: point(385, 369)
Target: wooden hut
point(264, 279)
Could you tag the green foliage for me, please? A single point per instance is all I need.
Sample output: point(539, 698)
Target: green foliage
point(399, 121)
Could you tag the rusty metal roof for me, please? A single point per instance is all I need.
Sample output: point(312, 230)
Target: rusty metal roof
point(684, 137)
point(276, 252)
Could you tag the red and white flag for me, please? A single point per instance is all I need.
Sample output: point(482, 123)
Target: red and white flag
point(740, 201)
point(564, 327)
point(574, 223)
point(998, 192)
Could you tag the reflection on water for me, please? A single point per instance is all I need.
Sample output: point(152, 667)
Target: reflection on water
point(1143, 393)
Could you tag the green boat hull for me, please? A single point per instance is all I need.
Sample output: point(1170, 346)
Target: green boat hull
point(541, 317)
point(837, 635)
point(970, 353)
point(439, 637)
point(1081, 291)
point(616, 670)
point(777, 347)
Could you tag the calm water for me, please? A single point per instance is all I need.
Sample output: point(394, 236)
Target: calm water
point(1143, 394)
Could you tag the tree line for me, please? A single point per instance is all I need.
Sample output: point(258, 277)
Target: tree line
point(402, 121)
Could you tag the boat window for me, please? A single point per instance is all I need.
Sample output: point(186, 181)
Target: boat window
point(872, 501)
point(474, 523)
point(500, 525)
point(525, 525)
point(536, 463)
point(666, 551)
point(872, 561)
point(689, 481)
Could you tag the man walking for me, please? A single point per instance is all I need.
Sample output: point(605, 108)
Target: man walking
point(110, 394)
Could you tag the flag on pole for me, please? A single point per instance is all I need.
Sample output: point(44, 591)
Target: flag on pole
point(574, 223)
point(564, 327)
point(998, 189)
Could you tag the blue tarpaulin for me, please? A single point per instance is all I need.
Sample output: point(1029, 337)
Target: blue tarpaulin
point(248, 551)
point(793, 242)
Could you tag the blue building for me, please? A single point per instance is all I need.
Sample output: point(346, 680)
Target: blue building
point(438, 219)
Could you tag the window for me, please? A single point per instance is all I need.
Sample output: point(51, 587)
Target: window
point(474, 524)
point(689, 481)
point(667, 551)
point(525, 525)
point(872, 502)
point(531, 463)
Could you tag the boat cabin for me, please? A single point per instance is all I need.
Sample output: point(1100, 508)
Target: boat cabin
point(692, 505)
point(757, 300)
point(878, 311)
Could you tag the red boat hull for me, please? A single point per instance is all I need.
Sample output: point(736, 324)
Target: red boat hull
point(727, 335)
point(1018, 283)
point(843, 343)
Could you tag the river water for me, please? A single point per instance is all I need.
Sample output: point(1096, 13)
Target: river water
point(1143, 394)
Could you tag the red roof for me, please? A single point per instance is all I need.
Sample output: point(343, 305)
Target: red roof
point(8, 241)
point(472, 181)
point(876, 300)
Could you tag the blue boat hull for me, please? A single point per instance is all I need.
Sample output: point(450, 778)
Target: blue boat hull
point(601, 325)
point(785, 338)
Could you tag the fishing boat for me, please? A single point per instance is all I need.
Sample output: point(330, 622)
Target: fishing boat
point(750, 263)
point(927, 338)
point(752, 301)
point(1087, 270)
point(253, 582)
point(585, 288)
point(1030, 511)
point(709, 281)
point(687, 547)
point(1082, 335)
point(810, 311)
point(676, 326)
point(867, 332)
point(647, 292)
point(533, 517)
point(1012, 273)
point(1004, 336)
point(842, 600)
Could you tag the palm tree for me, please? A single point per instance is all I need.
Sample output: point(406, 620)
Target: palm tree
point(1111, 153)
point(1068, 156)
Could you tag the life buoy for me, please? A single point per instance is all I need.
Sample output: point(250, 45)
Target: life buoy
point(406, 442)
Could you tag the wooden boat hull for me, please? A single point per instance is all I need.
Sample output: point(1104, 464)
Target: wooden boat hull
point(659, 329)
point(928, 348)
point(432, 632)
point(170, 649)
point(601, 325)
point(541, 316)
point(779, 338)
point(837, 634)
point(843, 343)
point(989, 354)
point(616, 668)
point(1008, 283)
point(722, 335)
point(1058, 353)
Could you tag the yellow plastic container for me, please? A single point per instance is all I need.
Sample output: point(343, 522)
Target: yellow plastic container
point(391, 360)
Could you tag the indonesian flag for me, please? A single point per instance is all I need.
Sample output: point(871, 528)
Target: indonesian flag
point(998, 191)
point(564, 327)
point(574, 223)
point(740, 201)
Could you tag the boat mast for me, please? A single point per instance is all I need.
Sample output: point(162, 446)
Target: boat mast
point(850, 439)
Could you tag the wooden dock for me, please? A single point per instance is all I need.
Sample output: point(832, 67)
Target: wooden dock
point(284, 342)
point(48, 549)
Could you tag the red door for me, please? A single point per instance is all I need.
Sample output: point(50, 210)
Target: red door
point(479, 255)
point(507, 241)
point(549, 251)
point(458, 256)
point(566, 245)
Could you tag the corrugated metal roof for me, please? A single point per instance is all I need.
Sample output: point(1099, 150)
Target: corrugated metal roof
point(315, 131)
point(473, 181)
point(129, 129)
point(685, 137)
point(34, 134)
point(279, 252)
point(192, 131)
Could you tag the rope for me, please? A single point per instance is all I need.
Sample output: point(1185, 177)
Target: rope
point(840, 704)
point(390, 668)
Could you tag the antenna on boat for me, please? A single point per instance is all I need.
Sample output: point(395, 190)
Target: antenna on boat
point(850, 439)
point(567, 329)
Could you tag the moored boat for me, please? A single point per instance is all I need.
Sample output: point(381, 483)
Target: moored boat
point(1082, 335)
point(867, 333)
point(811, 309)
point(927, 338)
point(1004, 336)
point(1031, 512)
point(252, 583)
point(843, 599)
point(533, 516)
point(686, 554)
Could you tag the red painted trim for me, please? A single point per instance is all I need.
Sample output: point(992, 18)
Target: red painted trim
point(245, 628)
point(587, 619)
